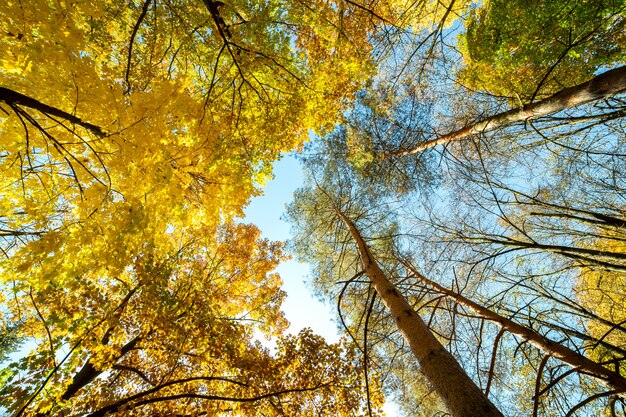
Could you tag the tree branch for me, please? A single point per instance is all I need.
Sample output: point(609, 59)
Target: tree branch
point(13, 98)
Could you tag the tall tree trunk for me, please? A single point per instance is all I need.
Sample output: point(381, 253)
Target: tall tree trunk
point(604, 85)
point(460, 394)
point(549, 347)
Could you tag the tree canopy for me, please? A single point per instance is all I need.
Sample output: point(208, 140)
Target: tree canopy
point(133, 134)
point(463, 206)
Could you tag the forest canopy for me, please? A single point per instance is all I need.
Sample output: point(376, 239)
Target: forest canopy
point(463, 206)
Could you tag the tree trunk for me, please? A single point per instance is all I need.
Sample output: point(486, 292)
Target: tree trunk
point(604, 85)
point(549, 347)
point(460, 394)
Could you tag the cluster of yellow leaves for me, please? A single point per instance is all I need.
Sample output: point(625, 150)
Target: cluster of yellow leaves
point(603, 293)
point(121, 256)
point(193, 311)
point(188, 310)
point(168, 122)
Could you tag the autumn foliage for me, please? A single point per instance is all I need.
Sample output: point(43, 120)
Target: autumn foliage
point(133, 134)
point(463, 200)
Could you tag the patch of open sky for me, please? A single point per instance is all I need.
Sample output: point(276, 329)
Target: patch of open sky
point(301, 307)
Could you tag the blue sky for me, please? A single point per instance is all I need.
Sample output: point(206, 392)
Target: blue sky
point(301, 307)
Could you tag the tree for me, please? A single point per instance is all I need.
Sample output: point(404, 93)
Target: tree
point(602, 86)
point(459, 392)
point(133, 134)
point(312, 208)
point(590, 36)
point(153, 98)
point(526, 50)
point(526, 219)
point(549, 347)
point(151, 338)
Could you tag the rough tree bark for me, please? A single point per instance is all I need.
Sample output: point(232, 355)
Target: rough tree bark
point(460, 394)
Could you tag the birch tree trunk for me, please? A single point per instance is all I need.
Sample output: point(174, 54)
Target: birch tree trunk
point(460, 394)
point(604, 85)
